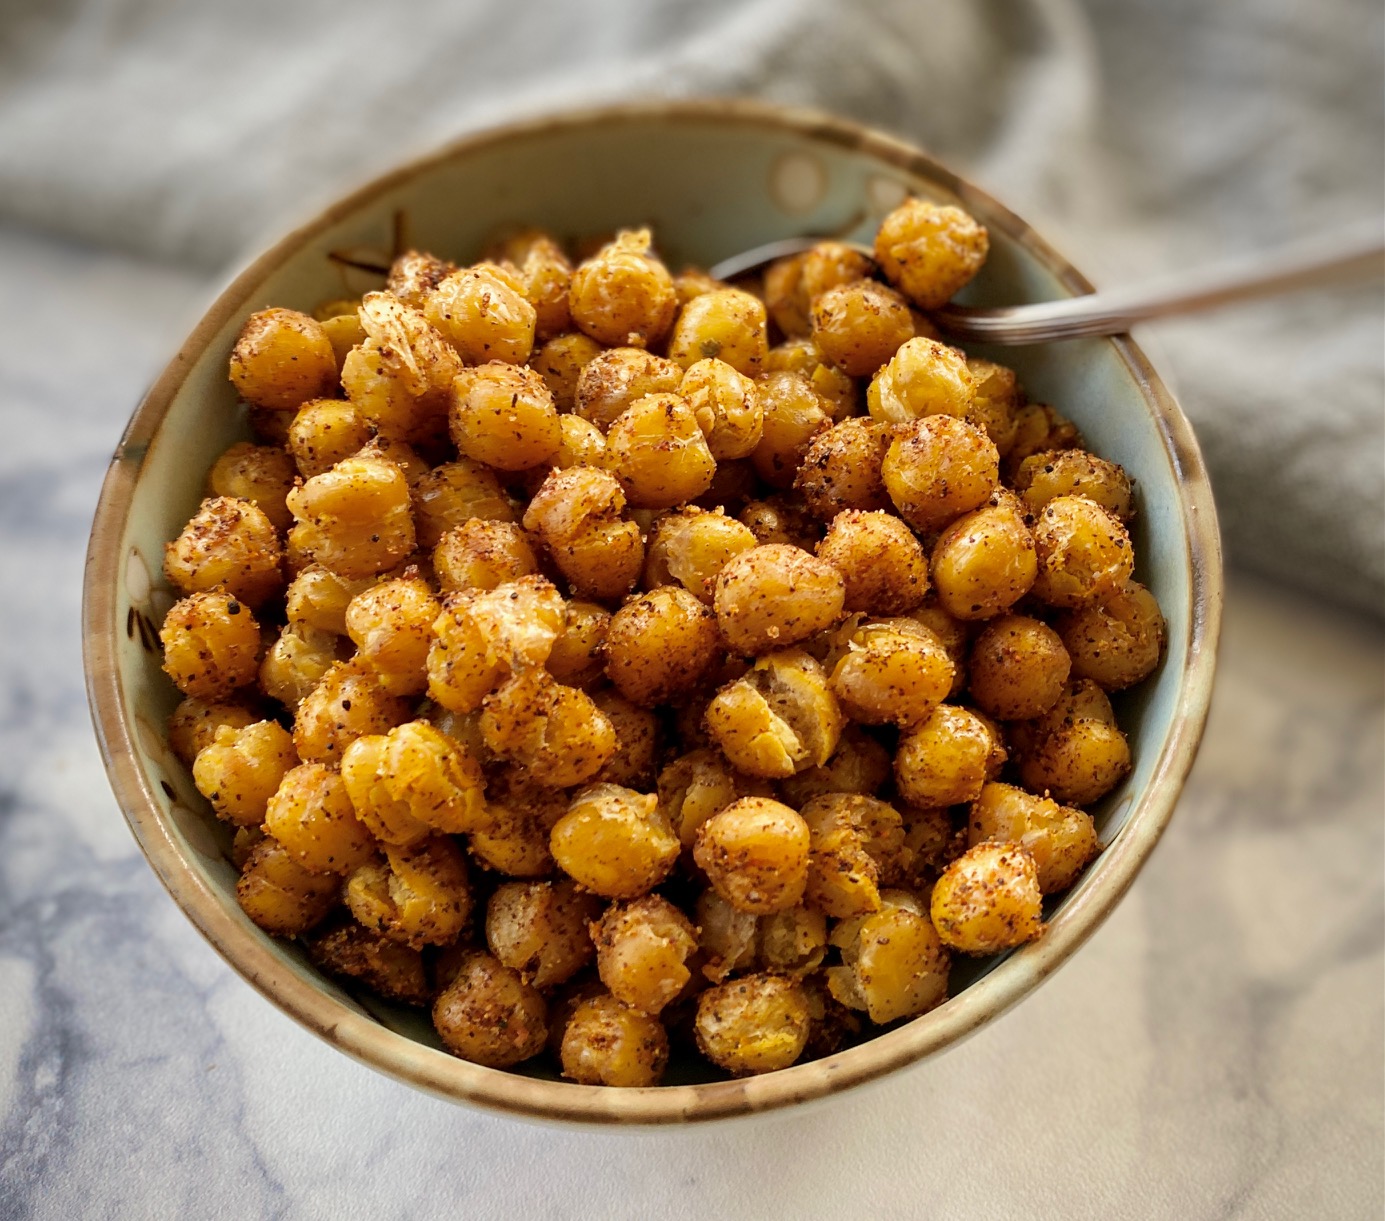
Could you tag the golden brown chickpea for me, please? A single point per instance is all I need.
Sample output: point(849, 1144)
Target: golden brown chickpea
point(755, 854)
point(891, 672)
point(657, 451)
point(193, 724)
point(661, 645)
point(260, 474)
point(556, 732)
point(312, 816)
point(725, 324)
point(1074, 758)
point(1059, 838)
point(923, 378)
point(697, 785)
point(854, 839)
point(345, 333)
point(637, 742)
point(560, 363)
point(882, 563)
point(520, 816)
point(801, 356)
point(781, 519)
point(545, 273)
point(282, 359)
point(753, 1024)
point(482, 316)
point(930, 251)
point(860, 764)
point(482, 554)
point(642, 952)
point(1018, 669)
point(576, 513)
point(1038, 428)
point(581, 444)
point(279, 895)
point(489, 1015)
point(996, 403)
point(540, 929)
point(792, 942)
point(354, 519)
point(607, 1043)
point(775, 595)
point(954, 633)
point(1118, 641)
point(794, 414)
point(453, 494)
point(347, 703)
point(988, 899)
point(727, 937)
point(784, 295)
point(1084, 554)
point(317, 599)
point(296, 662)
point(414, 274)
point(859, 326)
point(228, 545)
point(381, 399)
point(418, 895)
point(894, 962)
point(323, 433)
point(841, 469)
point(412, 354)
point(691, 546)
point(985, 561)
point(947, 759)
point(938, 468)
point(391, 626)
point(831, 265)
point(693, 282)
point(623, 295)
point(727, 406)
point(503, 415)
point(615, 842)
point(779, 719)
point(211, 645)
point(384, 966)
point(239, 770)
point(1074, 472)
point(614, 379)
point(576, 658)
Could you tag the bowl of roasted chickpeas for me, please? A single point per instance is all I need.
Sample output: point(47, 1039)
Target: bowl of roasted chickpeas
point(582, 687)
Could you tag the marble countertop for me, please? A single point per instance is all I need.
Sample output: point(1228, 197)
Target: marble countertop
point(1216, 1050)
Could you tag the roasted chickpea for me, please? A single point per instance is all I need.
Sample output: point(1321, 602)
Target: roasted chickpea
point(489, 1015)
point(391, 626)
point(638, 732)
point(193, 724)
point(520, 816)
point(554, 731)
point(859, 326)
point(239, 770)
point(576, 658)
point(775, 595)
point(657, 451)
point(996, 403)
point(483, 554)
point(211, 645)
point(418, 895)
point(1018, 669)
point(923, 378)
point(727, 937)
point(317, 599)
point(546, 275)
point(693, 282)
point(755, 854)
point(354, 519)
point(1061, 839)
point(1074, 472)
point(482, 316)
point(837, 390)
point(608, 1043)
point(1118, 641)
point(312, 816)
point(930, 251)
point(1074, 757)
point(409, 354)
point(859, 764)
point(938, 468)
point(643, 949)
point(323, 432)
point(753, 1024)
point(1038, 428)
point(892, 671)
point(854, 839)
point(1083, 553)
point(697, 785)
point(577, 515)
point(282, 359)
point(725, 324)
point(279, 895)
point(727, 406)
point(623, 294)
point(781, 519)
point(393, 970)
point(560, 363)
point(229, 545)
point(414, 274)
point(611, 381)
point(882, 564)
point(345, 333)
point(985, 561)
point(841, 469)
point(988, 899)
point(785, 297)
point(503, 415)
point(347, 703)
point(453, 494)
point(296, 662)
point(259, 474)
point(793, 413)
point(947, 759)
point(691, 546)
point(540, 929)
point(615, 842)
point(894, 962)
point(792, 942)
point(660, 645)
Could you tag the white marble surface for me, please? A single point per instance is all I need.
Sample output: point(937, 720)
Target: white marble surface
point(1216, 1050)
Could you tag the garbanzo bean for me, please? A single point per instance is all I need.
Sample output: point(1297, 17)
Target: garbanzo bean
point(841, 469)
point(1018, 669)
point(1075, 756)
point(354, 519)
point(317, 599)
point(540, 929)
point(774, 596)
point(781, 519)
point(414, 274)
point(882, 564)
point(344, 332)
point(312, 816)
point(614, 379)
point(853, 839)
point(607, 1043)
point(239, 770)
point(576, 657)
point(1038, 428)
point(391, 625)
point(193, 724)
point(752, 1024)
point(891, 671)
point(503, 415)
point(624, 294)
point(553, 731)
point(727, 406)
point(643, 949)
point(482, 554)
point(793, 414)
point(211, 645)
point(229, 545)
point(938, 468)
point(545, 273)
point(1074, 472)
point(988, 899)
point(725, 324)
point(697, 785)
point(348, 702)
point(453, 494)
point(859, 326)
point(519, 818)
point(560, 362)
point(615, 842)
point(1116, 642)
point(657, 451)
point(638, 733)
point(661, 645)
point(955, 635)
point(691, 546)
point(923, 378)
point(894, 963)
point(996, 402)
point(576, 513)
point(985, 561)
point(393, 970)
point(489, 1015)
point(410, 354)
point(792, 942)
point(296, 662)
point(418, 895)
point(279, 895)
point(260, 474)
point(1084, 553)
point(859, 764)
point(947, 759)
point(1061, 839)
point(837, 389)
point(482, 316)
point(755, 854)
point(282, 359)
point(323, 432)
point(930, 251)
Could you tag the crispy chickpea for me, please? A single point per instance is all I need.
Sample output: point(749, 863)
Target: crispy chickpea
point(755, 854)
point(697, 785)
point(211, 645)
point(576, 657)
point(581, 444)
point(418, 895)
point(1061, 839)
point(354, 519)
point(1083, 553)
point(409, 352)
point(923, 378)
point(779, 719)
point(781, 519)
point(282, 359)
point(554, 731)
point(988, 899)
point(859, 764)
point(239, 770)
point(193, 724)
point(230, 545)
point(520, 816)
point(347, 703)
point(453, 494)
point(489, 1015)
point(947, 759)
point(323, 432)
point(317, 599)
point(938, 468)
point(259, 474)
point(792, 942)
point(996, 403)
point(615, 842)
point(608, 1043)
point(614, 379)
point(545, 273)
point(1018, 669)
point(577, 515)
point(279, 895)
point(930, 251)
point(1116, 642)
point(837, 390)
point(882, 564)
point(623, 294)
point(414, 274)
point(637, 742)
point(841, 469)
point(296, 662)
point(381, 398)
point(954, 633)
point(482, 554)
point(482, 316)
point(384, 966)
point(859, 326)
point(775, 595)
point(727, 937)
point(753, 1024)
point(985, 561)
point(1074, 472)
point(503, 415)
point(391, 626)
point(691, 546)
point(345, 333)
point(891, 672)
point(1038, 428)
point(794, 414)
point(642, 952)
point(1075, 758)
point(784, 295)
point(853, 840)
point(727, 406)
point(657, 451)
point(725, 324)
point(312, 816)
point(540, 929)
point(660, 645)
point(560, 362)
point(894, 962)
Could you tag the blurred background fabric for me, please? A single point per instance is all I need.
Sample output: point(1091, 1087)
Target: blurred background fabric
point(1142, 135)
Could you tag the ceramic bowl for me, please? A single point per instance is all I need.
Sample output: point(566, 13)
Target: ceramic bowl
point(713, 178)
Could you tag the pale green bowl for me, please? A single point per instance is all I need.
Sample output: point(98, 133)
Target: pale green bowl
point(712, 178)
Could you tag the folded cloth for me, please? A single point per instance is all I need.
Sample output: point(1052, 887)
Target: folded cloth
point(1143, 135)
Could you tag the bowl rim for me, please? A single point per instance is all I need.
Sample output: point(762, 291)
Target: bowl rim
point(439, 1073)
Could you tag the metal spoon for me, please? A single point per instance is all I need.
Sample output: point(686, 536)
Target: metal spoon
point(1340, 256)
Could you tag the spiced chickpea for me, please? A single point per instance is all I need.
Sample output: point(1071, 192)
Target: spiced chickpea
point(691, 546)
point(239, 770)
point(658, 452)
point(576, 657)
point(894, 964)
point(755, 854)
point(947, 759)
point(391, 626)
point(938, 468)
point(355, 518)
point(282, 359)
point(560, 362)
point(615, 842)
point(552, 730)
point(348, 702)
point(317, 599)
point(576, 513)
point(230, 545)
point(259, 474)
point(452, 494)
point(312, 816)
point(482, 554)
point(781, 519)
point(1018, 668)
point(837, 389)
point(614, 379)
point(193, 724)
point(623, 294)
point(774, 596)
point(545, 275)
point(726, 324)
point(996, 402)
point(882, 564)
point(638, 741)
point(540, 929)
point(211, 645)
point(1074, 472)
point(988, 899)
point(930, 251)
point(520, 815)
point(859, 326)
point(793, 414)
point(1061, 839)
point(859, 764)
point(853, 840)
point(414, 274)
point(279, 895)
point(394, 971)
point(323, 432)
point(296, 662)
point(605, 1042)
point(1083, 553)
point(985, 561)
point(727, 406)
point(643, 948)
point(1117, 641)
point(923, 378)
point(482, 315)
point(489, 1015)
point(417, 895)
point(841, 469)
point(753, 1024)
point(503, 415)
point(891, 671)
point(697, 785)
point(1039, 428)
